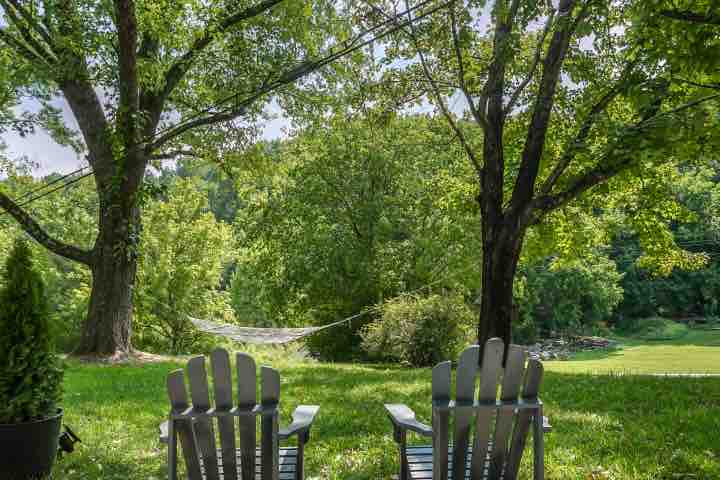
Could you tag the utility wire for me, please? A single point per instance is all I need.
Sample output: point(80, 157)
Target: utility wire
point(48, 185)
point(348, 48)
point(49, 192)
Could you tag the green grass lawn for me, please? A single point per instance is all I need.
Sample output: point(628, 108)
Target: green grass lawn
point(695, 351)
point(605, 427)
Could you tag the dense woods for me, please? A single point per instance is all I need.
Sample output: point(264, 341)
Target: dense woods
point(328, 224)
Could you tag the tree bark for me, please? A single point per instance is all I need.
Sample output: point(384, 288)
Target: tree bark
point(108, 326)
point(502, 244)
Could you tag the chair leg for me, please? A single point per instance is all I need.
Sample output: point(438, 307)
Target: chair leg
point(172, 451)
point(538, 446)
point(300, 466)
point(401, 438)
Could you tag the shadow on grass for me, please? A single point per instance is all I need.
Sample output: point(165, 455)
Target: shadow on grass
point(663, 427)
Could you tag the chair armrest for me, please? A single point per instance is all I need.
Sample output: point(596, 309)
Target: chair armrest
point(164, 432)
point(547, 428)
point(403, 418)
point(303, 418)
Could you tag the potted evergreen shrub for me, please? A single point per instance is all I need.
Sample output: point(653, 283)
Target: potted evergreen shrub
point(30, 373)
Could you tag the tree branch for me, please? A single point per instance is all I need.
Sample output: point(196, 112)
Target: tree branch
point(710, 86)
point(224, 115)
point(537, 130)
point(491, 105)
point(91, 119)
point(711, 18)
point(173, 154)
point(33, 23)
point(604, 170)
point(32, 44)
point(287, 77)
point(536, 61)
point(438, 96)
point(127, 123)
point(19, 47)
point(579, 139)
point(477, 115)
point(183, 64)
point(32, 228)
point(153, 102)
point(127, 66)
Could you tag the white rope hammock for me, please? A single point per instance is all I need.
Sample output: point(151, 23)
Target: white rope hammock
point(262, 336)
point(277, 336)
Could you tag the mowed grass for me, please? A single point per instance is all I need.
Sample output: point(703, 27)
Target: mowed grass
point(605, 427)
point(697, 351)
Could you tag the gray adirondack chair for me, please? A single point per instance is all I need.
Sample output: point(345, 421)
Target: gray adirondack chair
point(494, 453)
point(196, 425)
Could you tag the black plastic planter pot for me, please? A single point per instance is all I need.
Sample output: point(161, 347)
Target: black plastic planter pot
point(28, 450)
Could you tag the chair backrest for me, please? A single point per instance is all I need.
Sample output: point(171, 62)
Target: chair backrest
point(196, 424)
point(496, 452)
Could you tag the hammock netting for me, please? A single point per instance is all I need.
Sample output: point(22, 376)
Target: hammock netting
point(261, 336)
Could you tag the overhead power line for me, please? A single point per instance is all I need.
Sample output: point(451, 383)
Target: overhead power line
point(357, 42)
point(45, 186)
point(49, 192)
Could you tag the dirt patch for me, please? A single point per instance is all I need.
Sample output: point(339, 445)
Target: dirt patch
point(118, 358)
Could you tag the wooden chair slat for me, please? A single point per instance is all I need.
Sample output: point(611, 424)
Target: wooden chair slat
point(440, 439)
point(247, 380)
point(466, 373)
point(490, 370)
point(512, 379)
point(441, 384)
point(270, 394)
point(441, 381)
point(247, 398)
point(222, 380)
point(183, 428)
point(270, 387)
point(464, 394)
point(204, 432)
point(533, 378)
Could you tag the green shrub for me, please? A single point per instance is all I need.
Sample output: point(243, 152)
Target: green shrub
point(656, 328)
point(419, 331)
point(30, 372)
point(341, 343)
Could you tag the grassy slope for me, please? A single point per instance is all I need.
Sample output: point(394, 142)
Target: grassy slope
point(618, 427)
point(698, 351)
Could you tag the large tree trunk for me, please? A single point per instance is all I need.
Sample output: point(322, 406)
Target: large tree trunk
point(108, 326)
point(502, 244)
